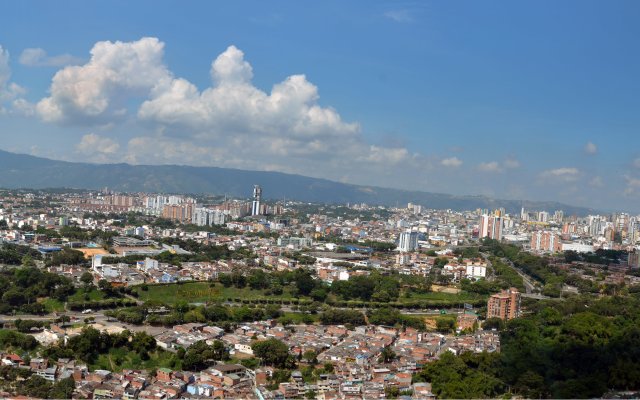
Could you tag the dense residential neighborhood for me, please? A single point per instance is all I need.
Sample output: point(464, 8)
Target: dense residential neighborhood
point(243, 298)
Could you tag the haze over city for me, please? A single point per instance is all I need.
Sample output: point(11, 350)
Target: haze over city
point(531, 100)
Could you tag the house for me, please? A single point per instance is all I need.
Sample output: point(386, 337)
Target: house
point(168, 278)
point(164, 374)
point(422, 391)
point(12, 360)
point(48, 373)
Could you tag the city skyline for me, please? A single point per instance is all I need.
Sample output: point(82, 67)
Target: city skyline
point(529, 101)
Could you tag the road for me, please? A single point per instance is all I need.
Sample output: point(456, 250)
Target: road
point(50, 317)
point(406, 311)
point(526, 279)
point(529, 286)
point(77, 316)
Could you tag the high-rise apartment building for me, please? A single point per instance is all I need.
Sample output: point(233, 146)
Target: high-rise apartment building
point(179, 212)
point(558, 215)
point(207, 217)
point(545, 241)
point(504, 305)
point(543, 216)
point(491, 226)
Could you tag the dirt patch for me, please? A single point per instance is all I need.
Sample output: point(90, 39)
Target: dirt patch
point(445, 289)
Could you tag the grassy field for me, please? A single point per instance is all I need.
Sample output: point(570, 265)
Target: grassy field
point(441, 296)
point(119, 358)
point(81, 295)
point(53, 305)
point(296, 318)
point(200, 292)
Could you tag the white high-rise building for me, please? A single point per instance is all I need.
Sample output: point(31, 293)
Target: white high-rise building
point(483, 229)
point(257, 196)
point(408, 241)
point(491, 226)
point(207, 217)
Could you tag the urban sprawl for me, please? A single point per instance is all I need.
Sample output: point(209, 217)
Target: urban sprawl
point(167, 296)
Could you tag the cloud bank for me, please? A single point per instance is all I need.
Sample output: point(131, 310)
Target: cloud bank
point(231, 123)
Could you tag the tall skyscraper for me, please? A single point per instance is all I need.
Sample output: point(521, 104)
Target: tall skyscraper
point(257, 196)
point(408, 241)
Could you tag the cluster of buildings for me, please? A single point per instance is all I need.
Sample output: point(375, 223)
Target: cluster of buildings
point(221, 381)
point(150, 270)
point(358, 371)
point(338, 243)
point(317, 230)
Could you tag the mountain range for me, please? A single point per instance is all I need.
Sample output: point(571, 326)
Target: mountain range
point(26, 171)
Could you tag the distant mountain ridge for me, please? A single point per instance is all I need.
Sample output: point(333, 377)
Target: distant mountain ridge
point(25, 171)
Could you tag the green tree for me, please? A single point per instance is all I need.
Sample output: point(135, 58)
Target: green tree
point(63, 389)
point(14, 297)
point(387, 355)
point(463, 377)
point(445, 325)
point(200, 355)
point(27, 261)
point(86, 278)
point(35, 386)
point(273, 352)
point(310, 356)
point(304, 281)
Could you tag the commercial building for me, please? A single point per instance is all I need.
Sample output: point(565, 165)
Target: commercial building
point(294, 242)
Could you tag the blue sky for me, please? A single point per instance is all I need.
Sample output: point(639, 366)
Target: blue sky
point(535, 100)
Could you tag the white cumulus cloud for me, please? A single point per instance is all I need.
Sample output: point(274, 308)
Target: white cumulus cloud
point(491, 166)
point(234, 105)
point(511, 163)
point(565, 174)
point(37, 57)
point(99, 88)
point(590, 148)
point(632, 185)
point(92, 144)
point(230, 123)
point(5, 70)
point(452, 162)
point(9, 91)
